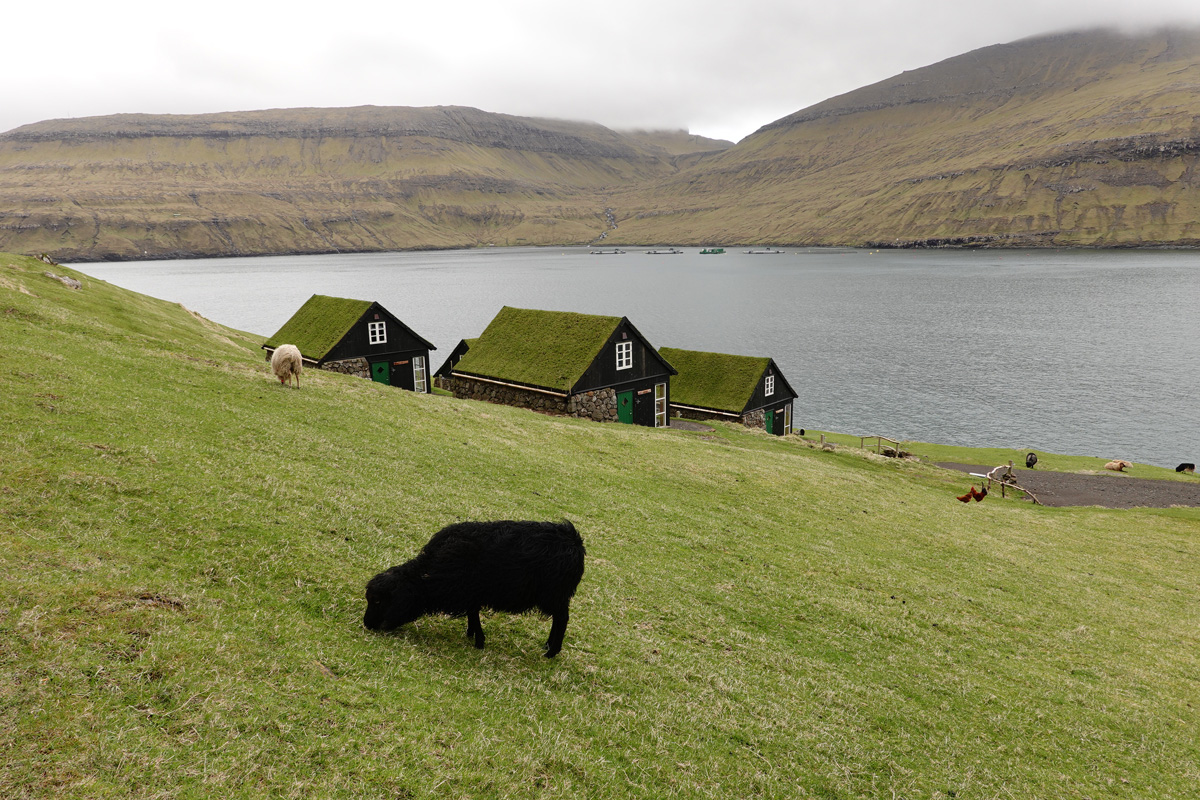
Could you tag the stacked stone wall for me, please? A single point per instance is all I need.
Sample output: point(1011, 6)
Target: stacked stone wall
point(599, 405)
point(755, 419)
point(358, 367)
point(467, 389)
point(693, 413)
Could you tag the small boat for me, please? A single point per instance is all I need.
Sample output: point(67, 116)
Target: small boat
point(614, 252)
point(764, 251)
point(713, 251)
point(668, 252)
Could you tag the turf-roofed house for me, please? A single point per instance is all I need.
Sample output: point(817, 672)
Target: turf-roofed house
point(582, 365)
point(357, 337)
point(721, 386)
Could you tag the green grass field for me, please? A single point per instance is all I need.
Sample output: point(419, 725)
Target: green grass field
point(185, 545)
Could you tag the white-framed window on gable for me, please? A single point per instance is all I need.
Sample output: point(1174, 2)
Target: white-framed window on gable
point(770, 385)
point(377, 332)
point(624, 355)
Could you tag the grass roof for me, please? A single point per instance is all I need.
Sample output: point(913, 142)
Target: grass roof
point(319, 325)
point(550, 349)
point(713, 380)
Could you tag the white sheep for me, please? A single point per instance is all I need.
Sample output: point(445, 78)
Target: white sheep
point(286, 363)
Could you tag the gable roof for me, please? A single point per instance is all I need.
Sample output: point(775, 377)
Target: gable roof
point(714, 380)
point(454, 357)
point(320, 324)
point(550, 349)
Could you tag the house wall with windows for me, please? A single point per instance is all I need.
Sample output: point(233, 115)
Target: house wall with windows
point(360, 338)
point(600, 367)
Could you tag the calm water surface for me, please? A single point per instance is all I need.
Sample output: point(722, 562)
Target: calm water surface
point(1080, 352)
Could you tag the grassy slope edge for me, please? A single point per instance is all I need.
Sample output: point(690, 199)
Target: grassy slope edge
point(186, 541)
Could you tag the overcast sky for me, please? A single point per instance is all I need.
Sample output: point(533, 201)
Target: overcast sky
point(717, 69)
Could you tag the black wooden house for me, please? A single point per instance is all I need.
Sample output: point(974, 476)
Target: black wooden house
point(357, 337)
point(749, 389)
point(583, 365)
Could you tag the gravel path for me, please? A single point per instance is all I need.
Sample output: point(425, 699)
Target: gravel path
point(1109, 491)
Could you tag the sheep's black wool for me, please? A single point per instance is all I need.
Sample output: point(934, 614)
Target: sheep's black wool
point(505, 566)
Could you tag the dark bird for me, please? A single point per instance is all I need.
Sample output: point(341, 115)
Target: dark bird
point(966, 498)
point(982, 493)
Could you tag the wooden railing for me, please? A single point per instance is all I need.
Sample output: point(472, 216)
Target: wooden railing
point(879, 440)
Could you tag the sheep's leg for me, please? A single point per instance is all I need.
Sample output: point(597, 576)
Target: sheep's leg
point(558, 629)
point(474, 628)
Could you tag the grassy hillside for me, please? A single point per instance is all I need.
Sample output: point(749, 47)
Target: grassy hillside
point(186, 544)
point(1076, 139)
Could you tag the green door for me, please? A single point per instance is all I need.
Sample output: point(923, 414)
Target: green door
point(770, 420)
point(380, 372)
point(625, 407)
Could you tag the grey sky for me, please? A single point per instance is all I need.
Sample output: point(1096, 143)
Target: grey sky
point(717, 69)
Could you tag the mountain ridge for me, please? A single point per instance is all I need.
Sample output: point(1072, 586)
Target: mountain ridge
point(1073, 139)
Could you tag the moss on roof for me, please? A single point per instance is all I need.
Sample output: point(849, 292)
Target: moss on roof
point(714, 380)
point(550, 349)
point(319, 325)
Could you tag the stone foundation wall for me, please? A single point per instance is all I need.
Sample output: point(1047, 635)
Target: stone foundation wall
point(751, 419)
point(467, 389)
point(359, 367)
point(599, 405)
point(690, 413)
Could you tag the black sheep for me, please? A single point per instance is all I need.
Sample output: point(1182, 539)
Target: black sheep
point(506, 566)
point(1186, 467)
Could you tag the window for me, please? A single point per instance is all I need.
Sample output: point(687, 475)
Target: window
point(770, 385)
point(787, 418)
point(660, 405)
point(419, 374)
point(376, 332)
point(624, 355)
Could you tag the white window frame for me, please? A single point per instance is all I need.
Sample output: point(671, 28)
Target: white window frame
point(770, 385)
point(660, 405)
point(787, 418)
point(624, 355)
point(419, 383)
point(377, 332)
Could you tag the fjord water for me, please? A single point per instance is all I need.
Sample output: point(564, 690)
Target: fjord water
point(1082, 352)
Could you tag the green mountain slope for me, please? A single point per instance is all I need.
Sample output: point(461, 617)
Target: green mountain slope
point(1077, 139)
point(185, 545)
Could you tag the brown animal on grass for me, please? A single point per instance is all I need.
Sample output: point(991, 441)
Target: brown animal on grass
point(1118, 465)
point(973, 495)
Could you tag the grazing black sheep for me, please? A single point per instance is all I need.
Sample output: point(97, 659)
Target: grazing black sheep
point(1186, 467)
point(506, 566)
point(1030, 460)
